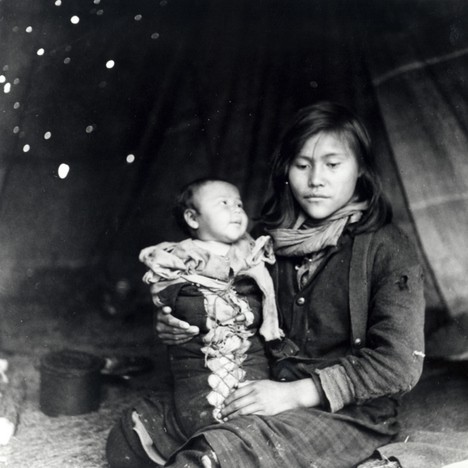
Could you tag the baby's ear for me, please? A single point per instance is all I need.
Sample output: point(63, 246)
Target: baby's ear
point(190, 216)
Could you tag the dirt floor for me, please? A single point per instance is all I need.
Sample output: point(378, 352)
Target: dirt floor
point(66, 310)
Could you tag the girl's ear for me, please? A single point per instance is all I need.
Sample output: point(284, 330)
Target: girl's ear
point(190, 217)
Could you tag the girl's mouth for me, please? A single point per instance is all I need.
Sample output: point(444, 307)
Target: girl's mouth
point(316, 197)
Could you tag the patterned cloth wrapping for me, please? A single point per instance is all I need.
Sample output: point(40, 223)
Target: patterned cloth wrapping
point(170, 263)
point(226, 344)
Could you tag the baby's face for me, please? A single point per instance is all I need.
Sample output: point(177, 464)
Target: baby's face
point(220, 215)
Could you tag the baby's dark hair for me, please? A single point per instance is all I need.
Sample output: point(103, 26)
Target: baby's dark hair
point(185, 200)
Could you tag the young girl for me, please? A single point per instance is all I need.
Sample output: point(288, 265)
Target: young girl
point(350, 295)
point(211, 279)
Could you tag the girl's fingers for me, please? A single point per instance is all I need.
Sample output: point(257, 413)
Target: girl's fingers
point(175, 334)
point(243, 390)
point(246, 409)
point(191, 331)
point(244, 383)
point(172, 331)
point(167, 324)
point(169, 321)
point(169, 339)
point(239, 404)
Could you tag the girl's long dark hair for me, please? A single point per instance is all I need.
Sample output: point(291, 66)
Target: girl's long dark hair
point(281, 209)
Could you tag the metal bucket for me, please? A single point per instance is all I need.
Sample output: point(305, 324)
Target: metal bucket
point(70, 383)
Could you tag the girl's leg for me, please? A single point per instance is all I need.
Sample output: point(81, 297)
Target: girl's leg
point(197, 453)
point(124, 448)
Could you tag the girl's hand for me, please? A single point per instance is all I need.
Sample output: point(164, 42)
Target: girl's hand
point(172, 331)
point(267, 397)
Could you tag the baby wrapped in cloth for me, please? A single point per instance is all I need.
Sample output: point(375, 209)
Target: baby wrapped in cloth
point(212, 292)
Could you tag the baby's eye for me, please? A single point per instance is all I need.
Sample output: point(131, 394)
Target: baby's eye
point(223, 202)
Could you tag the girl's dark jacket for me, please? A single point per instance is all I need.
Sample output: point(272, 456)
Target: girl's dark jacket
point(360, 381)
point(388, 360)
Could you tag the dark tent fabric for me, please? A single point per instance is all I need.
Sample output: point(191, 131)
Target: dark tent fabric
point(138, 98)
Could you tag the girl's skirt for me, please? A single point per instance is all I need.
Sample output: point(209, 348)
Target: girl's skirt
point(305, 437)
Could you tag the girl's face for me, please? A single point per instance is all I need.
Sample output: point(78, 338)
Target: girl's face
point(323, 175)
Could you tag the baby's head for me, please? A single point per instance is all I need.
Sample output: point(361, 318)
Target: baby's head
point(211, 210)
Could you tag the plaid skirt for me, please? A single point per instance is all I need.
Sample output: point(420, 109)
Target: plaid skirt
point(306, 437)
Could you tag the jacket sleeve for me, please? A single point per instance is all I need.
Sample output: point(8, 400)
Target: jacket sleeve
point(391, 361)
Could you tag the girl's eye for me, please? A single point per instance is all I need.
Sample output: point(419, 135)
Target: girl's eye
point(301, 166)
point(333, 165)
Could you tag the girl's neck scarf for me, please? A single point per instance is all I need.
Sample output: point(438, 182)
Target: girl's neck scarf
point(312, 240)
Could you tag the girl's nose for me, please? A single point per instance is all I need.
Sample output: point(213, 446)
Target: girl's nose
point(315, 176)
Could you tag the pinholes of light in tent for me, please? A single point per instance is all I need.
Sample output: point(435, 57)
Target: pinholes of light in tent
point(100, 12)
point(90, 128)
point(58, 2)
point(7, 88)
point(66, 60)
point(29, 29)
point(16, 130)
point(155, 35)
point(74, 19)
point(47, 135)
point(40, 51)
point(2, 78)
point(130, 158)
point(16, 105)
point(6, 68)
point(110, 64)
point(63, 170)
point(26, 148)
point(138, 17)
point(97, 2)
point(16, 81)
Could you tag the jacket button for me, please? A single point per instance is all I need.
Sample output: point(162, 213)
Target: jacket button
point(358, 341)
point(300, 301)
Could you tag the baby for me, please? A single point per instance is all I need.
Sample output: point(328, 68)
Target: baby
point(217, 280)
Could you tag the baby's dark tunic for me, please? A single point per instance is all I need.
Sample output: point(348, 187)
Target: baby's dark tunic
point(171, 418)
